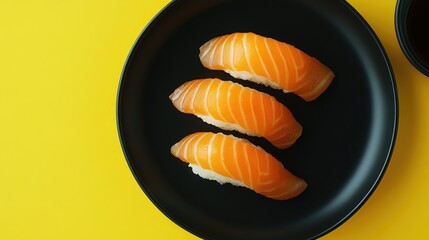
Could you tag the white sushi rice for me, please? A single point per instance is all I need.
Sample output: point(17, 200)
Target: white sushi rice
point(211, 175)
point(244, 75)
point(226, 126)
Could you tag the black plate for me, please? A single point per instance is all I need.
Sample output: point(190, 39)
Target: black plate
point(348, 136)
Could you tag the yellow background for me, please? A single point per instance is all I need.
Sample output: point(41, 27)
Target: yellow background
point(62, 171)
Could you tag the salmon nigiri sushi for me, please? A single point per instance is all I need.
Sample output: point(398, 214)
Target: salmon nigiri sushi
point(263, 60)
point(231, 106)
point(228, 159)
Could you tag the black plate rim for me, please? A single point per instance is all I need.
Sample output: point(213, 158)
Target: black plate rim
point(370, 191)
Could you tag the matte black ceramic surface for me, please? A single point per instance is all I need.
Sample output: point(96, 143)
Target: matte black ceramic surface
point(348, 132)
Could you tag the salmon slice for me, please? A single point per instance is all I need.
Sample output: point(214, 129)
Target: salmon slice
point(231, 106)
point(228, 159)
point(263, 60)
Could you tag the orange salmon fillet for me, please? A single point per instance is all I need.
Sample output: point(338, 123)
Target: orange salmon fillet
point(231, 106)
point(238, 159)
point(252, 57)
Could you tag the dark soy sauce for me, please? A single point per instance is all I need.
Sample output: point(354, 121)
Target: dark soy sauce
point(418, 29)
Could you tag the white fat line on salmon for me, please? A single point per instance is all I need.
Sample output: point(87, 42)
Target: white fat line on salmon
point(269, 190)
point(240, 101)
point(272, 59)
point(293, 61)
point(273, 107)
point(265, 183)
point(300, 85)
point(281, 138)
point(288, 192)
point(218, 102)
point(175, 149)
point(234, 148)
point(263, 173)
point(258, 164)
point(185, 93)
point(222, 48)
point(268, 75)
point(280, 117)
point(301, 66)
point(195, 94)
point(176, 94)
point(206, 49)
point(255, 121)
point(276, 196)
point(229, 103)
point(286, 76)
point(320, 85)
point(280, 129)
point(209, 151)
point(214, 48)
point(246, 54)
point(301, 63)
point(249, 171)
point(267, 156)
point(197, 145)
point(264, 118)
point(231, 53)
point(185, 146)
point(278, 138)
point(222, 157)
point(206, 96)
